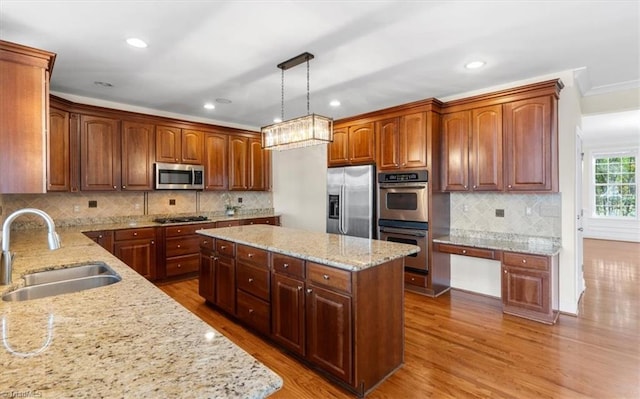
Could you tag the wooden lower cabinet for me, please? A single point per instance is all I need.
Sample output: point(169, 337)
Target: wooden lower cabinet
point(313, 310)
point(181, 249)
point(530, 286)
point(137, 248)
point(104, 238)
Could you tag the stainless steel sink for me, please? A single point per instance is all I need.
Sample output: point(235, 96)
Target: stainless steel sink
point(69, 273)
point(64, 281)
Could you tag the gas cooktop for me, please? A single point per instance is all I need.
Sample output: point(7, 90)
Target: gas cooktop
point(181, 219)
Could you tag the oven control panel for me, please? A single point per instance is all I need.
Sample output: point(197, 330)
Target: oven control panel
point(417, 176)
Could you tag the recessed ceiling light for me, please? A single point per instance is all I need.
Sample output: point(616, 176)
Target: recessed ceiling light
point(103, 84)
point(334, 103)
point(277, 120)
point(474, 64)
point(135, 42)
point(223, 101)
point(209, 106)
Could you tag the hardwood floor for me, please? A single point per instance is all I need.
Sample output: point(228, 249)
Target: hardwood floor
point(461, 345)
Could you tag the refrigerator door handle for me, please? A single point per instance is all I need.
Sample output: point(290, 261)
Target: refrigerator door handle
point(345, 215)
point(342, 210)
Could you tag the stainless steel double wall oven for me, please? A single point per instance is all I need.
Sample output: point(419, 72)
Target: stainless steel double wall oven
point(403, 213)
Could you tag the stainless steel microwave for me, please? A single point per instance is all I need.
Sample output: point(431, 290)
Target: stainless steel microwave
point(175, 176)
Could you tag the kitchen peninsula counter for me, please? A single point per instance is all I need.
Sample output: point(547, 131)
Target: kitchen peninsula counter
point(127, 339)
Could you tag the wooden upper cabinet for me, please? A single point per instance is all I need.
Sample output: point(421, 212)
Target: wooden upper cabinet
point(99, 153)
point(138, 154)
point(352, 145)
point(192, 147)
point(238, 163)
point(257, 170)
point(59, 169)
point(402, 142)
point(388, 143)
point(216, 173)
point(455, 151)
point(175, 145)
point(413, 141)
point(339, 148)
point(485, 157)
point(168, 144)
point(24, 117)
point(531, 144)
point(362, 141)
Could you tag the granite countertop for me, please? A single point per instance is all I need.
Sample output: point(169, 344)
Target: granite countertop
point(345, 252)
point(128, 339)
point(547, 246)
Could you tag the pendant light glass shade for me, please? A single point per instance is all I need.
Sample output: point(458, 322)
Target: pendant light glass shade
point(304, 131)
point(299, 132)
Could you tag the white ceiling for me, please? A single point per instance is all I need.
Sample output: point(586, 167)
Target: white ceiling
point(368, 54)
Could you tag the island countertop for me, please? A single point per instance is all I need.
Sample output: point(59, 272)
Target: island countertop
point(128, 339)
point(344, 252)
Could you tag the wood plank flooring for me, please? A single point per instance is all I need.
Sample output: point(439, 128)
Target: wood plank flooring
point(461, 345)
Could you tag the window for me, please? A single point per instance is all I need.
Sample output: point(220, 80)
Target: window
point(615, 185)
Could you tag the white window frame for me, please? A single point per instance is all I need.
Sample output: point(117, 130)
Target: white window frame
point(610, 153)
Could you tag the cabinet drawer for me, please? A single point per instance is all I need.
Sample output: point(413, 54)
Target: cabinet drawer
point(329, 276)
point(259, 257)
point(207, 242)
point(226, 248)
point(134, 234)
point(254, 312)
point(186, 229)
point(468, 251)
point(253, 279)
point(176, 246)
point(287, 264)
point(415, 279)
point(183, 264)
point(229, 223)
point(527, 261)
point(271, 221)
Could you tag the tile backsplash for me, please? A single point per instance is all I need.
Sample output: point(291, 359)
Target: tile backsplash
point(526, 214)
point(63, 207)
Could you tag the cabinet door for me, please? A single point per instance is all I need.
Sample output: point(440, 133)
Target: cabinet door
point(225, 287)
point(207, 276)
point(102, 238)
point(455, 151)
point(256, 168)
point(58, 177)
point(99, 154)
point(525, 289)
point(168, 144)
point(238, 163)
point(339, 148)
point(531, 145)
point(413, 141)
point(287, 312)
point(216, 161)
point(138, 154)
point(388, 144)
point(328, 322)
point(192, 146)
point(361, 143)
point(140, 255)
point(485, 157)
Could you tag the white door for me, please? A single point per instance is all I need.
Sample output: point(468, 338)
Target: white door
point(579, 214)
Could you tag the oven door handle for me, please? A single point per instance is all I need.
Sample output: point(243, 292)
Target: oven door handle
point(406, 232)
point(400, 185)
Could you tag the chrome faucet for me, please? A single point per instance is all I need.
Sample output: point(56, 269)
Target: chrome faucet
point(7, 257)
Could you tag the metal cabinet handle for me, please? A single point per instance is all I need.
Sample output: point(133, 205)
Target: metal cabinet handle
point(153, 243)
point(524, 261)
point(325, 276)
point(299, 288)
point(179, 231)
point(250, 255)
point(179, 246)
point(309, 290)
point(250, 280)
point(464, 251)
point(114, 187)
point(286, 265)
point(250, 311)
point(505, 271)
point(179, 265)
point(124, 187)
point(223, 247)
point(135, 234)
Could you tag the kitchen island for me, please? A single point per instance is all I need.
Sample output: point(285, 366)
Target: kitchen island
point(124, 340)
point(334, 302)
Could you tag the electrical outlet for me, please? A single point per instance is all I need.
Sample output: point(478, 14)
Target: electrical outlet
point(76, 208)
point(239, 200)
point(500, 213)
point(136, 206)
point(93, 204)
point(528, 211)
point(465, 208)
point(172, 202)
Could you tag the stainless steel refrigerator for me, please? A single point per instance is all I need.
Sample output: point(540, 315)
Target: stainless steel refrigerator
point(351, 210)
